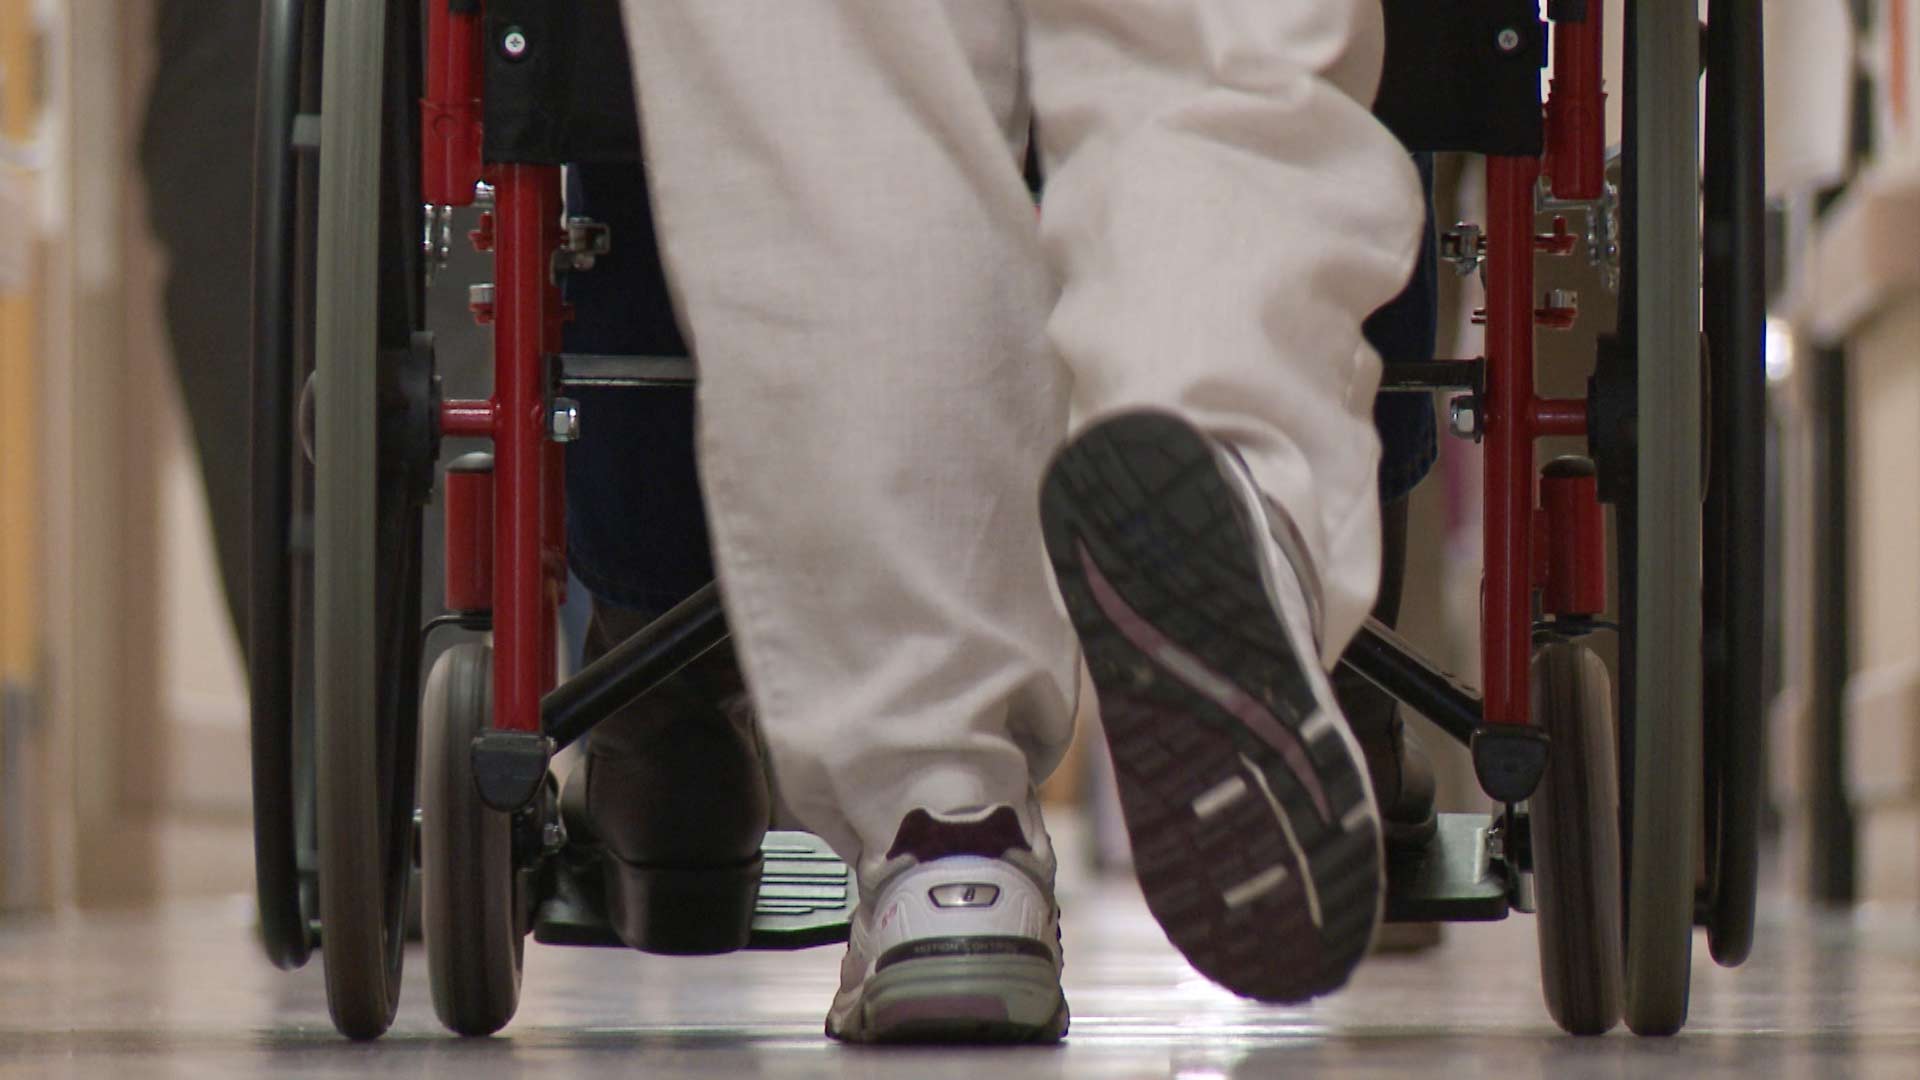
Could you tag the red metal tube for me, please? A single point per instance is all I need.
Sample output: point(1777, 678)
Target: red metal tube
point(450, 110)
point(1577, 109)
point(527, 223)
point(467, 419)
point(1559, 416)
point(1576, 581)
point(1506, 630)
point(469, 530)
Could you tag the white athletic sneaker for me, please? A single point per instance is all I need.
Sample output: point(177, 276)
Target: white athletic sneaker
point(956, 941)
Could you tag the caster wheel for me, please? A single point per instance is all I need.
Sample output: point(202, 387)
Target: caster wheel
point(1575, 821)
point(470, 911)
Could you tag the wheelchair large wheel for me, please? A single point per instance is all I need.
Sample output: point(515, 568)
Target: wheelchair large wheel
point(1733, 294)
point(1576, 840)
point(371, 398)
point(280, 571)
point(1660, 524)
point(473, 921)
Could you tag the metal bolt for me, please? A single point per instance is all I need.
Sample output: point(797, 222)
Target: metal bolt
point(480, 302)
point(553, 836)
point(1463, 417)
point(514, 43)
point(1508, 40)
point(1463, 246)
point(566, 420)
point(1563, 300)
point(483, 195)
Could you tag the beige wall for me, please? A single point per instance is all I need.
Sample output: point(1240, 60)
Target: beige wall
point(1858, 287)
point(1883, 691)
point(19, 489)
point(138, 758)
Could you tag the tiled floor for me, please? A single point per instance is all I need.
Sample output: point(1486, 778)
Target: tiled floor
point(184, 992)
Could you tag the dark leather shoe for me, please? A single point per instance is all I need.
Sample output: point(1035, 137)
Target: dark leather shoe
point(673, 790)
point(1402, 775)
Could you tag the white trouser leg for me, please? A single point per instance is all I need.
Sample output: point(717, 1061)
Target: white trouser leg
point(1224, 212)
point(862, 280)
point(857, 265)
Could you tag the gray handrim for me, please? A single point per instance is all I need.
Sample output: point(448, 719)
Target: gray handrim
point(1667, 718)
point(1575, 818)
point(473, 928)
point(362, 965)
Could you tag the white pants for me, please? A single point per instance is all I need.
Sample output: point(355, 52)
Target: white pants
point(890, 339)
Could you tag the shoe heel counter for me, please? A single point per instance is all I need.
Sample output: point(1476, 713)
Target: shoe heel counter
point(959, 898)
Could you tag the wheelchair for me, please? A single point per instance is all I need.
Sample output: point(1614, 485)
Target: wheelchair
point(1625, 807)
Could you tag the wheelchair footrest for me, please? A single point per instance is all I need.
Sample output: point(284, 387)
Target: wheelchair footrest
point(1455, 878)
point(807, 894)
point(806, 898)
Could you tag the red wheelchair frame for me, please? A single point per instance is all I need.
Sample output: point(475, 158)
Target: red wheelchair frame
point(1556, 548)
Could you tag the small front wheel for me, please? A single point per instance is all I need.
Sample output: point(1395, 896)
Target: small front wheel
point(468, 906)
point(1575, 822)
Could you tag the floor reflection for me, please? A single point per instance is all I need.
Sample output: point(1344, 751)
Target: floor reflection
point(184, 992)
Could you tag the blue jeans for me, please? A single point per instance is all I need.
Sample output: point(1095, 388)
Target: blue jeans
point(636, 526)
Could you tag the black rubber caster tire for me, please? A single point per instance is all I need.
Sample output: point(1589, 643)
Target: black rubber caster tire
point(469, 910)
point(1575, 822)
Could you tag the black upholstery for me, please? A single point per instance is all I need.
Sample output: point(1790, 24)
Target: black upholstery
point(1448, 84)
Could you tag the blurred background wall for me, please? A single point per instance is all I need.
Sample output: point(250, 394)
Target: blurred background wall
point(123, 767)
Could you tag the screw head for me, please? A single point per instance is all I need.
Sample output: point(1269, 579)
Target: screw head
point(514, 43)
point(565, 426)
point(1508, 40)
point(1463, 417)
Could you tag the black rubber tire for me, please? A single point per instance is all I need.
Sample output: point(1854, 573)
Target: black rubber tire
point(1661, 799)
point(1574, 816)
point(469, 911)
point(1733, 295)
point(279, 757)
point(367, 523)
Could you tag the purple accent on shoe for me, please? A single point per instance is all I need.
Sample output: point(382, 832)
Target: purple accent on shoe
point(1215, 687)
point(927, 838)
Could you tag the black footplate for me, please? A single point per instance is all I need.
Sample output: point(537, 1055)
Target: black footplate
point(1454, 878)
point(806, 898)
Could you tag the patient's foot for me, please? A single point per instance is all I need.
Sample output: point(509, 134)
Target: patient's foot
point(673, 790)
point(1255, 832)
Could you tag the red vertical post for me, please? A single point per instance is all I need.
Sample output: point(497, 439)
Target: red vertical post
point(469, 533)
point(450, 109)
point(1506, 621)
point(527, 224)
point(1577, 109)
point(1576, 540)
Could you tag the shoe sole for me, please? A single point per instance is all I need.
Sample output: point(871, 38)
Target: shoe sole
point(958, 1001)
point(1255, 836)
